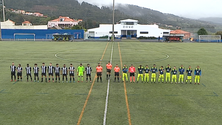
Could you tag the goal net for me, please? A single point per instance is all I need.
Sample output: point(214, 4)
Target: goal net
point(24, 36)
point(209, 38)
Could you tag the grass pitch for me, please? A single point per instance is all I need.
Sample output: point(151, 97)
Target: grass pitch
point(25, 103)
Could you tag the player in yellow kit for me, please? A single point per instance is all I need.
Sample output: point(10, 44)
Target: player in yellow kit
point(161, 74)
point(147, 74)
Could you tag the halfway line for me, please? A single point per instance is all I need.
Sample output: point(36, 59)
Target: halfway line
point(124, 83)
point(83, 109)
point(107, 93)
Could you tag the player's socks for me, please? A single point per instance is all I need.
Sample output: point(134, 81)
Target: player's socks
point(97, 79)
point(109, 76)
point(130, 78)
point(100, 79)
point(70, 79)
point(133, 78)
point(42, 80)
point(73, 79)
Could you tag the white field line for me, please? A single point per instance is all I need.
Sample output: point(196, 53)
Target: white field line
point(107, 93)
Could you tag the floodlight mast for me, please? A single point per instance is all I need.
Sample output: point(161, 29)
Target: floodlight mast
point(3, 15)
point(3, 10)
point(113, 20)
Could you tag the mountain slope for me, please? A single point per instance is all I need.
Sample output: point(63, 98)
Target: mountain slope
point(216, 20)
point(93, 15)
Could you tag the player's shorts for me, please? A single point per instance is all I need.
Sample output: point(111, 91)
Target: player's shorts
point(71, 74)
point(43, 74)
point(167, 75)
point(57, 74)
point(80, 74)
point(189, 77)
point(99, 73)
point(108, 70)
point(116, 73)
point(64, 75)
point(132, 74)
point(88, 75)
point(19, 74)
point(153, 75)
point(50, 74)
point(13, 73)
point(161, 76)
point(174, 77)
point(36, 74)
point(28, 75)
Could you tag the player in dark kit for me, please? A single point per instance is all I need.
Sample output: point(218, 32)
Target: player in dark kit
point(57, 72)
point(19, 72)
point(13, 69)
point(153, 73)
point(147, 74)
point(174, 74)
point(161, 74)
point(197, 73)
point(50, 71)
point(168, 69)
point(64, 73)
point(88, 71)
point(71, 73)
point(36, 72)
point(28, 72)
point(44, 68)
point(189, 75)
point(140, 73)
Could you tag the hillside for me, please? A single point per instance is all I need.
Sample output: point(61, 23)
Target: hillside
point(93, 15)
point(216, 20)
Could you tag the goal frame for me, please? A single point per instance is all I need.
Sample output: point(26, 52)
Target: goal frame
point(33, 34)
point(210, 38)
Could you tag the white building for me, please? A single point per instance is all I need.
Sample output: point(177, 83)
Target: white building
point(128, 29)
point(25, 25)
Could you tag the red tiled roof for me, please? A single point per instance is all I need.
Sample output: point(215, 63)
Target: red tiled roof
point(66, 19)
point(11, 21)
point(26, 22)
point(178, 32)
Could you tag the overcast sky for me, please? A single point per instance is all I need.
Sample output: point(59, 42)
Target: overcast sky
point(186, 8)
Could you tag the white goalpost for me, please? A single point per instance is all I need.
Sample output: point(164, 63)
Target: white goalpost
point(209, 38)
point(24, 36)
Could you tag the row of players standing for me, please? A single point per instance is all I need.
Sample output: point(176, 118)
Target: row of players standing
point(143, 73)
point(64, 71)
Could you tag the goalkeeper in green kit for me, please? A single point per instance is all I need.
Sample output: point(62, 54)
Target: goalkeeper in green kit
point(80, 72)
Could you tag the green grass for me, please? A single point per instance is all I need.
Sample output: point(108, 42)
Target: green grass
point(31, 103)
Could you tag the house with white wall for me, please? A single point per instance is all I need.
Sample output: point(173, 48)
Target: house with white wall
point(63, 22)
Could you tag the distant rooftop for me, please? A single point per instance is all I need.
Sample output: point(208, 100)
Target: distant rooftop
point(128, 20)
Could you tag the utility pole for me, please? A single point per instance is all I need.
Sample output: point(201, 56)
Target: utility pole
point(113, 37)
point(3, 10)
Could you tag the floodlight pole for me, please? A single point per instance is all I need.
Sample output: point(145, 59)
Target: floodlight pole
point(113, 38)
point(3, 10)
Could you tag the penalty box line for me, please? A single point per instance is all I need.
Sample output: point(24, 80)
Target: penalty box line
point(86, 101)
